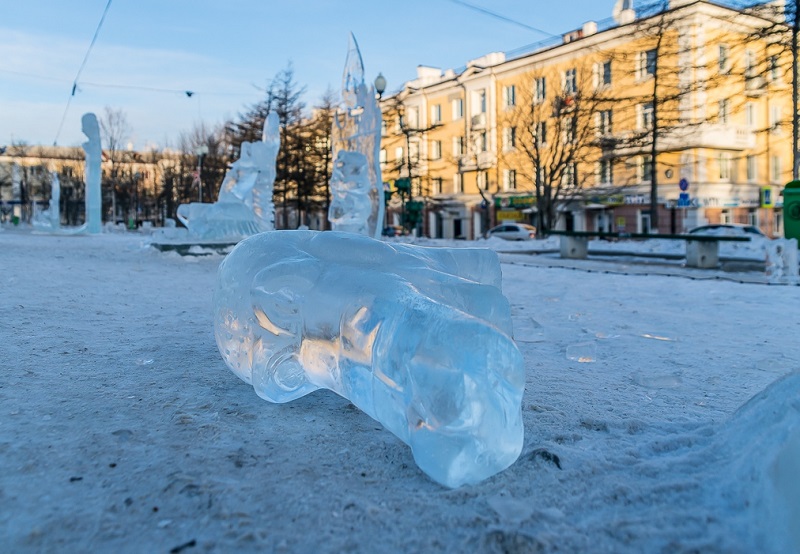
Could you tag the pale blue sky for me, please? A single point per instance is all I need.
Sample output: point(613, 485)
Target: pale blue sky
point(224, 50)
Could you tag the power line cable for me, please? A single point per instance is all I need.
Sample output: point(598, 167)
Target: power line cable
point(501, 17)
point(80, 69)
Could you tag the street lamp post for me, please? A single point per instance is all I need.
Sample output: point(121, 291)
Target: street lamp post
point(201, 151)
point(380, 85)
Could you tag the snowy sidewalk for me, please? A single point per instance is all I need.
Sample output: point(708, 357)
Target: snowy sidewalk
point(121, 430)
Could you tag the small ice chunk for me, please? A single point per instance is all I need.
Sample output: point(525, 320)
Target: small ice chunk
point(583, 352)
point(418, 338)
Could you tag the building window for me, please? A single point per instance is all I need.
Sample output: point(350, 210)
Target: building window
point(774, 70)
point(541, 133)
point(509, 179)
point(570, 81)
point(646, 66)
point(752, 217)
point(724, 63)
point(775, 118)
point(382, 157)
point(383, 128)
point(569, 130)
point(413, 152)
point(413, 117)
point(436, 150)
point(750, 114)
point(510, 96)
point(604, 172)
point(509, 138)
point(749, 63)
point(480, 102)
point(483, 180)
point(646, 115)
point(437, 185)
point(777, 222)
point(645, 168)
point(458, 186)
point(752, 169)
point(398, 153)
point(603, 122)
point(539, 90)
point(725, 166)
point(458, 108)
point(483, 143)
point(568, 179)
point(723, 111)
point(436, 113)
point(458, 146)
point(602, 74)
point(725, 217)
point(605, 73)
point(775, 169)
point(399, 123)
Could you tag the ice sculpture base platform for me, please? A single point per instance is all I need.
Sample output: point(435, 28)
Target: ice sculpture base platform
point(196, 248)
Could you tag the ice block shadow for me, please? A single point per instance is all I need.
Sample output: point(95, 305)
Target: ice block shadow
point(418, 338)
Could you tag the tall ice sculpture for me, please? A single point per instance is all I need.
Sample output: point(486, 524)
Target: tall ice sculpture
point(356, 184)
point(94, 217)
point(418, 338)
point(244, 206)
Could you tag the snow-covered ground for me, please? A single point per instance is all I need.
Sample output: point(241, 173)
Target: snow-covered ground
point(121, 430)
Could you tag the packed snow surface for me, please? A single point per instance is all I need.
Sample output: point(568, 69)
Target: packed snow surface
point(121, 430)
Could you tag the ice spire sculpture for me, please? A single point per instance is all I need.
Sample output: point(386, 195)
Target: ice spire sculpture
point(244, 206)
point(90, 128)
point(418, 338)
point(356, 184)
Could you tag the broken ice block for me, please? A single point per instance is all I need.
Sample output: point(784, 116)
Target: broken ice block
point(418, 338)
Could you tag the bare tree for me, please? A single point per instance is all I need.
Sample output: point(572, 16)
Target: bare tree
point(549, 134)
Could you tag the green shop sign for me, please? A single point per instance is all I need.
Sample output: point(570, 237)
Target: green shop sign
point(514, 202)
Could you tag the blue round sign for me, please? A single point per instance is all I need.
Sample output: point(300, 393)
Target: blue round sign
point(683, 184)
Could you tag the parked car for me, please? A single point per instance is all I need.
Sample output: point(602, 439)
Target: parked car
point(512, 231)
point(727, 230)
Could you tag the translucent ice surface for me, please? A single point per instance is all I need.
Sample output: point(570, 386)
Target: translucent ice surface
point(244, 206)
point(356, 183)
point(418, 338)
point(94, 154)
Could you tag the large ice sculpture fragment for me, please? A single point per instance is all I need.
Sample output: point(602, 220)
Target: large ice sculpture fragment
point(357, 130)
point(418, 338)
point(244, 206)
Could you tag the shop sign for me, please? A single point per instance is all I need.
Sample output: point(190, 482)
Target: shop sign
point(515, 202)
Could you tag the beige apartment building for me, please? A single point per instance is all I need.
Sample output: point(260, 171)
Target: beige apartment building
point(688, 106)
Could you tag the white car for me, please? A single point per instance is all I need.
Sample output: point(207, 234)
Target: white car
point(512, 231)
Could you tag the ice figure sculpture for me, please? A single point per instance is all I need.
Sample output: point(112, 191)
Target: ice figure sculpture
point(357, 129)
point(244, 206)
point(90, 128)
point(418, 338)
point(50, 219)
point(350, 197)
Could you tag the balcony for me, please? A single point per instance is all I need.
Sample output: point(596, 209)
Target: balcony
point(479, 121)
point(467, 163)
point(485, 160)
point(702, 135)
point(709, 135)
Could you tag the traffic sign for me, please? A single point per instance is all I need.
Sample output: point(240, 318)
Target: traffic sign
point(683, 184)
point(683, 200)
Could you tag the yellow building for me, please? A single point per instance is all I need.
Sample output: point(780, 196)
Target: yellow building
point(564, 135)
point(26, 173)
